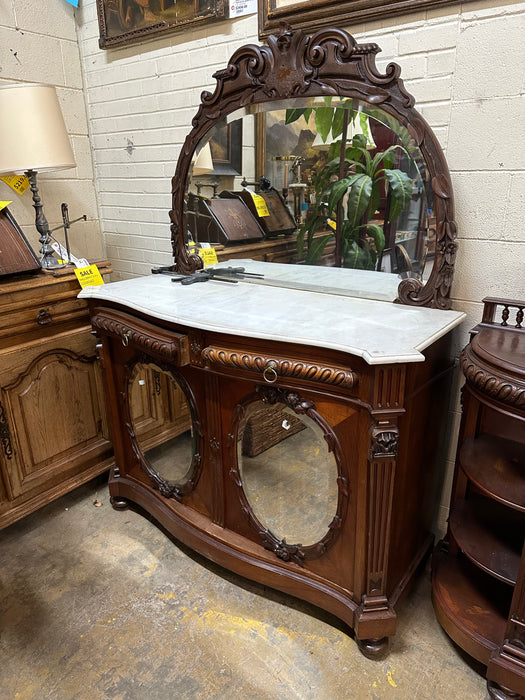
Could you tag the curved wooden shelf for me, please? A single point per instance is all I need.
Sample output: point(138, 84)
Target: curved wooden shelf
point(495, 466)
point(489, 535)
point(471, 607)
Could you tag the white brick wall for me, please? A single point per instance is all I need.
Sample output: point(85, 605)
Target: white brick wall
point(39, 45)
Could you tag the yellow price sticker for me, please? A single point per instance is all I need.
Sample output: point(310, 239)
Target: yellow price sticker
point(89, 276)
point(3, 205)
point(260, 205)
point(331, 223)
point(18, 183)
point(208, 256)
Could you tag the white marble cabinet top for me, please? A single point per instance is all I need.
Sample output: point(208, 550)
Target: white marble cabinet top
point(378, 331)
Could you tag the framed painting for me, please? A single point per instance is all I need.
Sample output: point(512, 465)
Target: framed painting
point(123, 21)
point(309, 15)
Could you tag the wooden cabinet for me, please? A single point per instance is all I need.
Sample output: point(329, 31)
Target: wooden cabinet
point(53, 426)
point(479, 569)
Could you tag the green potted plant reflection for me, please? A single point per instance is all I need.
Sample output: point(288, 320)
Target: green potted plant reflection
point(348, 190)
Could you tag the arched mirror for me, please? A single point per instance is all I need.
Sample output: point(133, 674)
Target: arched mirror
point(288, 470)
point(307, 155)
point(163, 428)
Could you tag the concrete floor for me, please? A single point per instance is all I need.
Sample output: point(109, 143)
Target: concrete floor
point(98, 604)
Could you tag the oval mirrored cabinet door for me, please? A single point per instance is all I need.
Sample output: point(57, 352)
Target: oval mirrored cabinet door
point(163, 428)
point(288, 474)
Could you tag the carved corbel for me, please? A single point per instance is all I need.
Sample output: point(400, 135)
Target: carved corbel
point(384, 439)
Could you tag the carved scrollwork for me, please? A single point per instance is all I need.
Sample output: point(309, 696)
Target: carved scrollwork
point(488, 381)
point(281, 549)
point(305, 371)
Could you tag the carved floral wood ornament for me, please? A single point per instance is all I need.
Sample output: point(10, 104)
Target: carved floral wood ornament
point(329, 63)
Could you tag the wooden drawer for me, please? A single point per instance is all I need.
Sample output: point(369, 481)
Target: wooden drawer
point(158, 342)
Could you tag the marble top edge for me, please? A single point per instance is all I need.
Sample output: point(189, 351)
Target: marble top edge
point(378, 331)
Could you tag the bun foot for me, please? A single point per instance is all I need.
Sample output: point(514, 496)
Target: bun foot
point(119, 503)
point(374, 648)
point(499, 692)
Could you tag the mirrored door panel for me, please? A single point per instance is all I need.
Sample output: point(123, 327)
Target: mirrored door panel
point(162, 427)
point(289, 475)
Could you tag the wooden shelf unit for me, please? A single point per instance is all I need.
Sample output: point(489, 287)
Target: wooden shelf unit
point(478, 577)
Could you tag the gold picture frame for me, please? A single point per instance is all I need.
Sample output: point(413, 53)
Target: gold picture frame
point(124, 21)
point(309, 15)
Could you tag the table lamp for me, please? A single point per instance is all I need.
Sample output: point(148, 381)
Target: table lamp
point(33, 138)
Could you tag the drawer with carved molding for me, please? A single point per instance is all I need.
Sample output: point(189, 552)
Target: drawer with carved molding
point(41, 304)
point(144, 336)
point(272, 367)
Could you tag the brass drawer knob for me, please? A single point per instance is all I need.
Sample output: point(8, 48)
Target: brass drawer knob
point(125, 339)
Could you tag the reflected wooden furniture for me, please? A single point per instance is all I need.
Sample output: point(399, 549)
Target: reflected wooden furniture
point(281, 249)
point(479, 569)
point(53, 429)
point(159, 411)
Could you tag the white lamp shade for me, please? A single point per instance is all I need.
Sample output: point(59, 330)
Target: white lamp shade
point(33, 134)
point(203, 162)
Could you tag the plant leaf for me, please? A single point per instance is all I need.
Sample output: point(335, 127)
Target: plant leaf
point(339, 188)
point(323, 121)
point(377, 234)
point(337, 122)
point(292, 115)
point(315, 252)
point(401, 191)
point(359, 198)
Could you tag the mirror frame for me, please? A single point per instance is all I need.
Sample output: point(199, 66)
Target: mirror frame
point(329, 63)
point(286, 551)
point(167, 488)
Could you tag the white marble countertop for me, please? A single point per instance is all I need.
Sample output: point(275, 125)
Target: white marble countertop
point(378, 331)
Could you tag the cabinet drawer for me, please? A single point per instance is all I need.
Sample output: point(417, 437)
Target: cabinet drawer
point(271, 367)
point(41, 314)
point(161, 343)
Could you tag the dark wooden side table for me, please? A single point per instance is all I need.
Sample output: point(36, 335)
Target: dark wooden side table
point(478, 578)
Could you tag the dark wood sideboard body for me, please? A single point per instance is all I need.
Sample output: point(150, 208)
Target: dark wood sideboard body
point(349, 391)
point(478, 578)
point(381, 422)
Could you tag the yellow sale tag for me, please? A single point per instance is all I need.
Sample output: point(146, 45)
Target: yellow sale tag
point(208, 256)
point(89, 276)
point(331, 223)
point(260, 205)
point(18, 183)
point(3, 205)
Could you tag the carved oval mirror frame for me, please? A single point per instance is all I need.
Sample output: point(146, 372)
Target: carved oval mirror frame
point(286, 551)
point(167, 488)
point(329, 63)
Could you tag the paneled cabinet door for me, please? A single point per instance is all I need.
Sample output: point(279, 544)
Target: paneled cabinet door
point(52, 419)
